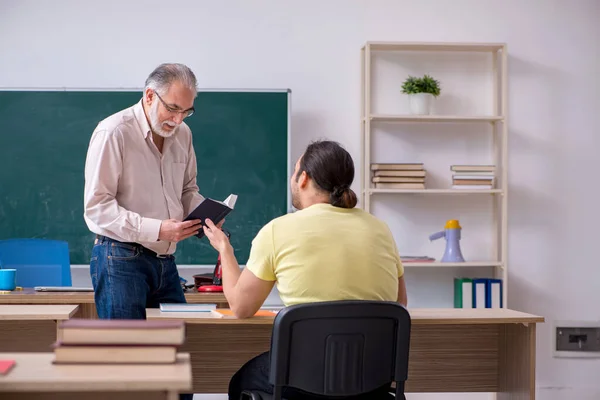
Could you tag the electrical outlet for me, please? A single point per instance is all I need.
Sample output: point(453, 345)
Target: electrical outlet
point(577, 339)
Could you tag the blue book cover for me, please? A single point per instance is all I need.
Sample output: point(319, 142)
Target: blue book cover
point(479, 292)
point(493, 293)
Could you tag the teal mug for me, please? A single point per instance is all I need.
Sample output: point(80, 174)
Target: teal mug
point(8, 279)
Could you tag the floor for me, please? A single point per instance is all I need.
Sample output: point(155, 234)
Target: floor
point(411, 396)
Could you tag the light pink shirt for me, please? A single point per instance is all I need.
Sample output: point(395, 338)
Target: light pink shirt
point(130, 187)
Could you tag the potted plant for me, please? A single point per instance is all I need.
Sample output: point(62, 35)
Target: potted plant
point(421, 92)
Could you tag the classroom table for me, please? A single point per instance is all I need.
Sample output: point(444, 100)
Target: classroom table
point(34, 376)
point(451, 350)
point(85, 300)
point(32, 327)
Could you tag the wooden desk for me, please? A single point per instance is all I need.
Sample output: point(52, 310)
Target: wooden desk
point(85, 300)
point(31, 328)
point(35, 377)
point(451, 350)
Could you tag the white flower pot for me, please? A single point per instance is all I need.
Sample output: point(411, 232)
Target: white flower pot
point(420, 103)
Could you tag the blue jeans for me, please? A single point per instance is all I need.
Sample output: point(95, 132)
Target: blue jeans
point(128, 278)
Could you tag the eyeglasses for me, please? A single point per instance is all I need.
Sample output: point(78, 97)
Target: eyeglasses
point(186, 113)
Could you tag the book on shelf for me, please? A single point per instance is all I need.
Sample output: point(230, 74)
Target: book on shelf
point(473, 187)
point(474, 173)
point(472, 182)
point(477, 293)
point(396, 166)
point(463, 293)
point(419, 174)
point(473, 176)
point(398, 176)
point(411, 259)
point(416, 186)
point(473, 168)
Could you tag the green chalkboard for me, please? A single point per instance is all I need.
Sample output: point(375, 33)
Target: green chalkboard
point(241, 140)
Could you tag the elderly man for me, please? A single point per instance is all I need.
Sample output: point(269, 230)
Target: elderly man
point(140, 183)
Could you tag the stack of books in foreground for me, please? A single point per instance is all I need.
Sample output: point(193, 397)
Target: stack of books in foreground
point(398, 176)
point(96, 341)
point(473, 176)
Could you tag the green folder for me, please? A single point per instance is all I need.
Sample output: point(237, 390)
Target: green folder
point(463, 293)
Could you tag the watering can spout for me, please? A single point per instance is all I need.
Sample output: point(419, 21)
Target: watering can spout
point(437, 235)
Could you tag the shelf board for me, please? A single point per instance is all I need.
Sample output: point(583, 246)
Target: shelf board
point(435, 191)
point(435, 118)
point(437, 264)
point(419, 46)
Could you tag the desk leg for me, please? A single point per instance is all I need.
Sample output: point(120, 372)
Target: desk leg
point(517, 362)
point(172, 396)
point(86, 311)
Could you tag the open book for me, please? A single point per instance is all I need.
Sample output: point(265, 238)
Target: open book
point(213, 210)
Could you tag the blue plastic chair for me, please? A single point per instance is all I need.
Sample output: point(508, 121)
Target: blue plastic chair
point(39, 262)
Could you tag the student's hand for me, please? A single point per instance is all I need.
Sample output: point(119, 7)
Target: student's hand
point(172, 230)
point(216, 236)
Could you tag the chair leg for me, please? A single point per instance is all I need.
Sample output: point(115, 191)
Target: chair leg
point(400, 391)
point(248, 396)
point(255, 395)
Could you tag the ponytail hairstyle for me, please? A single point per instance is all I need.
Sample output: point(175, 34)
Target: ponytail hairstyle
point(331, 168)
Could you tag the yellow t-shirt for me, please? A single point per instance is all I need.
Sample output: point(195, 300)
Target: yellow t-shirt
point(326, 253)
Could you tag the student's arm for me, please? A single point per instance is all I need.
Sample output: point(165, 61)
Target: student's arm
point(244, 291)
point(402, 296)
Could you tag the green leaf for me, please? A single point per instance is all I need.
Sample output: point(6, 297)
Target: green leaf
point(426, 84)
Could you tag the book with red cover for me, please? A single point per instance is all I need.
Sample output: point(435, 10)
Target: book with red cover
point(6, 366)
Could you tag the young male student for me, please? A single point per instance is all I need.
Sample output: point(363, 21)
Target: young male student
point(328, 250)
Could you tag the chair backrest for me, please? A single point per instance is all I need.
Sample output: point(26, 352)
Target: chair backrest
point(39, 262)
point(340, 348)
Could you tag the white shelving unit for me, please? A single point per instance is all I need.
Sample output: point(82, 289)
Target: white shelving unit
point(497, 120)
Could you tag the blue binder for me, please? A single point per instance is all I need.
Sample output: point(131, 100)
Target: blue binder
point(493, 293)
point(479, 292)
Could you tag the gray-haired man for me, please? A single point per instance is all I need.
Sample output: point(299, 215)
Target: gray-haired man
point(140, 182)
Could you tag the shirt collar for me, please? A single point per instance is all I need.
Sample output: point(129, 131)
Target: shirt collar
point(140, 116)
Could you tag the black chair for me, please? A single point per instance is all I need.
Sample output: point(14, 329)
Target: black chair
point(338, 349)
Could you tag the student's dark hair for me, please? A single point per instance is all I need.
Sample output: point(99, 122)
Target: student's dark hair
point(331, 168)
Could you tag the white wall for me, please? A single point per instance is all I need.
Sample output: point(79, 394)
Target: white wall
point(313, 47)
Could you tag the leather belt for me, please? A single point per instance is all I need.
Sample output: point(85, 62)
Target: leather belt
point(142, 249)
